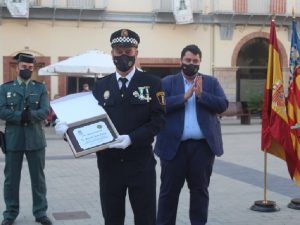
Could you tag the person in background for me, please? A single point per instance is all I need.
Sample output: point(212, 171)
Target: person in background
point(85, 87)
point(24, 106)
point(51, 119)
point(191, 138)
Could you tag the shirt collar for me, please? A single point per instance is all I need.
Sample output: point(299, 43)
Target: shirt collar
point(128, 76)
point(187, 82)
point(20, 81)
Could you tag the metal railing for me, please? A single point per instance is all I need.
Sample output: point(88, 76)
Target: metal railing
point(259, 6)
point(167, 5)
point(297, 7)
point(82, 4)
point(255, 7)
point(225, 6)
point(76, 4)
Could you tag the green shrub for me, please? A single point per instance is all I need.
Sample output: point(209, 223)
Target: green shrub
point(255, 103)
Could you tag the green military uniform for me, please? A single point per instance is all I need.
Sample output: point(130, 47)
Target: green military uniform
point(28, 139)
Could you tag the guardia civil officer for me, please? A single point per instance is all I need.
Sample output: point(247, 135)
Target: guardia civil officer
point(24, 106)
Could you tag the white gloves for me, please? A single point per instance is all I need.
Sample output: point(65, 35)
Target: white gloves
point(123, 141)
point(61, 128)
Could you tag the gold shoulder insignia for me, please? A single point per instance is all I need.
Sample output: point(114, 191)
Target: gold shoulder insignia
point(161, 97)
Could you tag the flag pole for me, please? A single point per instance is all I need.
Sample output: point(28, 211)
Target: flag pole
point(265, 175)
point(265, 205)
point(295, 202)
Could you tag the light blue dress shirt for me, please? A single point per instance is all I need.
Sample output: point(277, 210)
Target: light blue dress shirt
point(191, 128)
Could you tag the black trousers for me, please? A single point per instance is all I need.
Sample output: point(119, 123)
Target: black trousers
point(117, 176)
point(193, 163)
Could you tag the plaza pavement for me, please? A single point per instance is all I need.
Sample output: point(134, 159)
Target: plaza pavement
point(237, 181)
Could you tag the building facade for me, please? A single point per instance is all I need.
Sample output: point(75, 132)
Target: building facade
point(232, 34)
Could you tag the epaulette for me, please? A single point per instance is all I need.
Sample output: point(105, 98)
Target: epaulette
point(107, 76)
point(8, 82)
point(37, 82)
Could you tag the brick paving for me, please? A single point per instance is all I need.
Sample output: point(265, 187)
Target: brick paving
point(237, 181)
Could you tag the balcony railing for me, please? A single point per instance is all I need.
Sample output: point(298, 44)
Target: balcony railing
point(254, 7)
point(167, 5)
point(75, 4)
point(259, 6)
point(254, 12)
point(87, 4)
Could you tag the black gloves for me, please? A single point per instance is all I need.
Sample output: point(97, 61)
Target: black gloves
point(26, 116)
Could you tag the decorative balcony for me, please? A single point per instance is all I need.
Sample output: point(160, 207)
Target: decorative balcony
point(166, 6)
point(78, 10)
point(226, 13)
point(251, 7)
point(71, 4)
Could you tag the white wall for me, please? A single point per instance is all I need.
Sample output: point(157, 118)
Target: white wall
point(66, 39)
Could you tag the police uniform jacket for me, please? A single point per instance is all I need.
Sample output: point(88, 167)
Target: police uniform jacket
point(133, 115)
point(13, 100)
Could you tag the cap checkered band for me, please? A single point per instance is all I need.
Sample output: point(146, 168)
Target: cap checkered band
point(123, 40)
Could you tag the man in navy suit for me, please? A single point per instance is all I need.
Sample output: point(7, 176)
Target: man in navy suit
point(191, 138)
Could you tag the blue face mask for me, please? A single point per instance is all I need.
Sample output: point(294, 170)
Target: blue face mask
point(25, 74)
point(124, 62)
point(189, 69)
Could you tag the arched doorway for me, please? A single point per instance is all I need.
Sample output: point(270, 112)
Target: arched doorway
point(252, 63)
point(239, 61)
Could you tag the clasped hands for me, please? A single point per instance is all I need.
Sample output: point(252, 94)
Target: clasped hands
point(122, 141)
point(196, 88)
point(26, 116)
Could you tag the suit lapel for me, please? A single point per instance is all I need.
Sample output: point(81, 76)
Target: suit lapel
point(113, 87)
point(178, 84)
point(18, 88)
point(206, 86)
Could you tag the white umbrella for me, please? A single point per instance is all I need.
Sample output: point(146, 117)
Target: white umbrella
point(93, 62)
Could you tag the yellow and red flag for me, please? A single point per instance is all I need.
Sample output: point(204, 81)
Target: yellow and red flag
point(276, 137)
point(293, 105)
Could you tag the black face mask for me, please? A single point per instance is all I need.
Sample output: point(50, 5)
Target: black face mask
point(25, 74)
point(189, 69)
point(124, 62)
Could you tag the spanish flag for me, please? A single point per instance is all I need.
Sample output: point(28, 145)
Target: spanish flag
point(276, 137)
point(293, 104)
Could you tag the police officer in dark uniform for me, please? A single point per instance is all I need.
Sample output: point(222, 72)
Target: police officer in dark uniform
point(24, 105)
point(134, 101)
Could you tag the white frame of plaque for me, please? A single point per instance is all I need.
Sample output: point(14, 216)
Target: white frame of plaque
point(74, 145)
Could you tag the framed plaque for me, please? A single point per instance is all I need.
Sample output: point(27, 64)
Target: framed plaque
point(91, 135)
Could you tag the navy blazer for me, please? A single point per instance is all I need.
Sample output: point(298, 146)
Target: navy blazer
point(212, 102)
